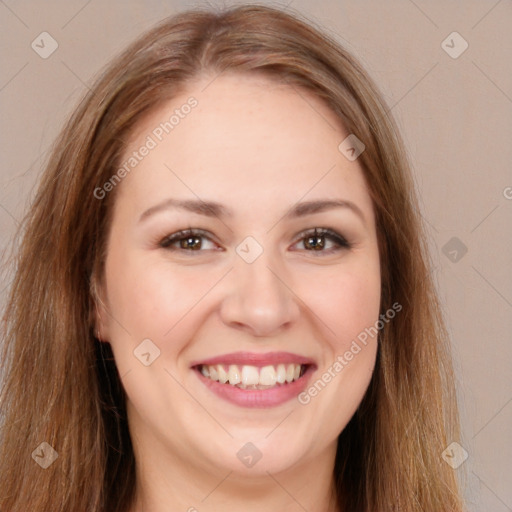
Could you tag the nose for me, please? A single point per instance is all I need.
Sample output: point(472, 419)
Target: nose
point(259, 300)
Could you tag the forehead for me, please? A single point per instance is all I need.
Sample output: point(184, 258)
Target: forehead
point(246, 137)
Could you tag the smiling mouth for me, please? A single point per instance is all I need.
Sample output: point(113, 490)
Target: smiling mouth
point(253, 377)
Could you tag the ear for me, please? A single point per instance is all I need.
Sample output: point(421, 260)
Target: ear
point(98, 318)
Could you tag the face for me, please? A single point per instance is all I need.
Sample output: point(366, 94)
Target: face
point(245, 328)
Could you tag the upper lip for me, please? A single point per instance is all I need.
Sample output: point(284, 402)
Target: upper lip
point(255, 359)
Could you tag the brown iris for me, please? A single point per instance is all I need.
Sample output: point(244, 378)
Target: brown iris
point(312, 242)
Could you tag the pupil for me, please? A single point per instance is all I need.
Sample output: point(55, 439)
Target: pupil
point(310, 242)
point(190, 241)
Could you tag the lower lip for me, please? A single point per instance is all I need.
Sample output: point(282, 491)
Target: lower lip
point(262, 398)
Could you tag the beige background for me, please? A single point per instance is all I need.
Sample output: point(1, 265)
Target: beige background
point(456, 118)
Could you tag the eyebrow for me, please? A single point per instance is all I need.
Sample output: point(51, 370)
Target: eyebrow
point(214, 209)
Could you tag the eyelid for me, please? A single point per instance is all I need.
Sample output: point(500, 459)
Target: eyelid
point(339, 239)
point(321, 232)
point(183, 233)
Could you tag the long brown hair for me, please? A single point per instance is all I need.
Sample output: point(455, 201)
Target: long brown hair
point(61, 385)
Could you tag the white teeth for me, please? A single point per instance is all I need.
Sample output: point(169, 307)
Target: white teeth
point(223, 374)
point(290, 372)
point(253, 376)
point(234, 374)
point(281, 373)
point(268, 376)
point(250, 375)
point(213, 373)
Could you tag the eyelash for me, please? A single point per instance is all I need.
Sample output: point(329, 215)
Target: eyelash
point(342, 243)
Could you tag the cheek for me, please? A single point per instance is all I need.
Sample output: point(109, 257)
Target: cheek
point(346, 302)
point(149, 297)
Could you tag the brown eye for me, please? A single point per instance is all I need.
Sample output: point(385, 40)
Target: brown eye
point(190, 243)
point(190, 240)
point(318, 241)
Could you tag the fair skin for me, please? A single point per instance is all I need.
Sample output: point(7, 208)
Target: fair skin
point(258, 148)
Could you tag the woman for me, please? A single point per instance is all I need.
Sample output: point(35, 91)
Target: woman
point(222, 297)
